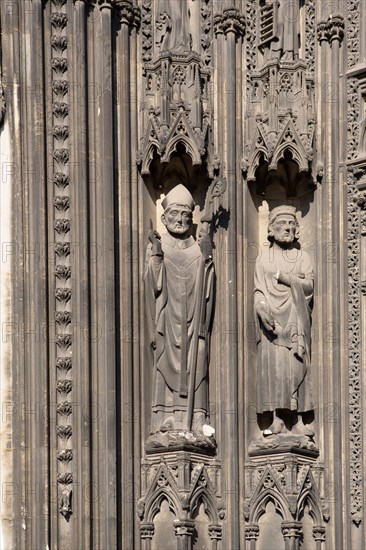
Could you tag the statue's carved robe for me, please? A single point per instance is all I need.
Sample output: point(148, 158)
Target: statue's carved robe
point(176, 35)
point(283, 359)
point(179, 291)
point(286, 46)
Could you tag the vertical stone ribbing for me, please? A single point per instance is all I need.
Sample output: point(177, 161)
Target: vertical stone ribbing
point(84, 411)
point(335, 222)
point(34, 440)
point(129, 271)
point(26, 488)
point(229, 27)
point(101, 185)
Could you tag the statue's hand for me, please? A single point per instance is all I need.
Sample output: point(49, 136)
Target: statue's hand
point(155, 239)
point(267, 320)
point(205, 243)
point(283, 278)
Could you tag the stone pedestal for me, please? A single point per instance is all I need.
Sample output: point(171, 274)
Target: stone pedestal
point(185, 478)
point(291, 479)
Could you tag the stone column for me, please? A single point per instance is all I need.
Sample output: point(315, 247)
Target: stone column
point(229, 27)
point(130, 277)
point(319, 536)
point(147, 533)
point(335, 217)
point(184, 530)
point(251, 536)
point(291, 531)
point(84, 413)
point(7, 274)
point(331, 258)
point(102, 253)
point(215, 534)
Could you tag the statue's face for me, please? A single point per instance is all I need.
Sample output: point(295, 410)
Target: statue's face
point(284, 228)
point(177, 219)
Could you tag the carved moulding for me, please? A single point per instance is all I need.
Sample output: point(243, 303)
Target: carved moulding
point(62, 228)
point(356, 185)
point(292, 481)
point(185, 480)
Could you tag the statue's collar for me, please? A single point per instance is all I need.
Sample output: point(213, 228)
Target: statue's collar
point(177, 243)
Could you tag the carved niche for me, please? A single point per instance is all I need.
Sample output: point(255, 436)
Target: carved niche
point(281, 112)
point(176, 96)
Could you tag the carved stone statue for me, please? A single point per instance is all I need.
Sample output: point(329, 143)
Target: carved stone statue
point(286, 29)
point(283, 290)
point(179, 281)
point(173, 26)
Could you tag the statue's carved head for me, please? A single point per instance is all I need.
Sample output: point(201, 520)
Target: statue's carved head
point(178, 208)
point(283, 226)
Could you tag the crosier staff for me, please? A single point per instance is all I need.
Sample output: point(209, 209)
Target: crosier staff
point(216, 189)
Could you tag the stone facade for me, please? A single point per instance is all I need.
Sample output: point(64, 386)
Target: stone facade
point(106, 106)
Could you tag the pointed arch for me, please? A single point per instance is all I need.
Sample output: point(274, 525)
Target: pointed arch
point(201, 495)
point(154, 500)
point(190, 145)
point(259, 504)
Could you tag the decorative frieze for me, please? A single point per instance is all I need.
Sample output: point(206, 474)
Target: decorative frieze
point(353, 32)
point(310, 35)
point(356, 170)
point(62, 228)
point(206, 32)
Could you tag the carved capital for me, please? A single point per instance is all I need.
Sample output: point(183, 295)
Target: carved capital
point(103, 4)
point(147, 530)
point(215, 532)
point(332, 29)
point(184, 528)
point(322, 31)
point(128, 13)
point(335, 28)
point(251, 532)
point(319, 533)
point(229, 21)
point(291, 529)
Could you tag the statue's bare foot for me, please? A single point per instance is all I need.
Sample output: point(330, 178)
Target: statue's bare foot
point(167, 426)
point(302, 429)
point(277, 427)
